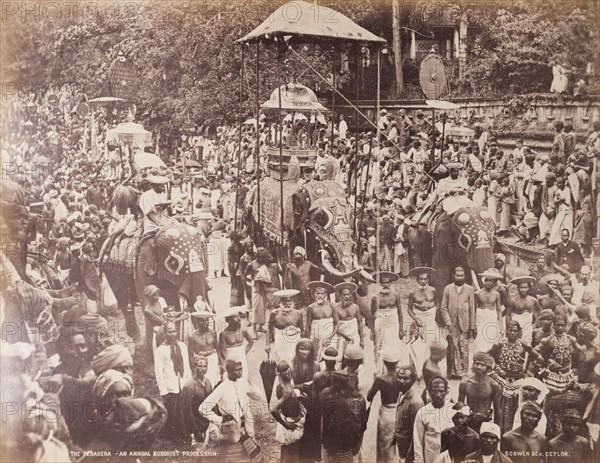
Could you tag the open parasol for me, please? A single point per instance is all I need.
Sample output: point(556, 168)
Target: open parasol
point(143, 160)
point(105, 101)
point(267, 373)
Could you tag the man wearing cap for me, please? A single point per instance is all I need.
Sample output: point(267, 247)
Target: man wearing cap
point(321, 317)
point(524, 308)
point(481, 392)
point(524, 443)
point(386, 309)
point(153, 203)
point(322, 379)
point(453, 182)
point(569, 442)
point(387, 384)
point(458, 313)
point(460, 439)
point(350, 328)
point(489, 437)
point(285, 326)
point(551, 300)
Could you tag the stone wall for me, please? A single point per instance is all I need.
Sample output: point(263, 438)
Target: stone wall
point(530, 117)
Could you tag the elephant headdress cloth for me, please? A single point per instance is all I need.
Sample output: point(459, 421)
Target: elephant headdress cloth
point(182, 260)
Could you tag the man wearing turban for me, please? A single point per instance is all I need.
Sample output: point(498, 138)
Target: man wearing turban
point(480, 392)
point(525, 439)
point(110, 386)
point(115, 357)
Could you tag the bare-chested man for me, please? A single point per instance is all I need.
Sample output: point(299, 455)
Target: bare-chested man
point(488, 311)
point(524, 308)
point(285, 327)
point(297, 276)
point(551, 300)
point(480, 392)
point(389, 387)
point(388, 328)
point(205, 341)
point(421, 308)
point(350, 329)
point(321, 317)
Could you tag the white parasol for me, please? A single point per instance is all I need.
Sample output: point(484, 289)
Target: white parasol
point(143, 160)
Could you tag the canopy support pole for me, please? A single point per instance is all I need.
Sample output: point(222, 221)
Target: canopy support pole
point(355, 187)
point(333, 100)
point(258, 140)
point(239, 163)
point(280, 146)
point(377, 202)
point(432, 156)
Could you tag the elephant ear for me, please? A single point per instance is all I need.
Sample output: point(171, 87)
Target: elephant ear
point(300, 208)
point(147, 257)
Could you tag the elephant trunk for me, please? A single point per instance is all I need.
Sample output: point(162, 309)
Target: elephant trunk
point(475, 280)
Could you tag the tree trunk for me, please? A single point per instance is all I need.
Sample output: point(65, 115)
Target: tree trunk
point(397, 47)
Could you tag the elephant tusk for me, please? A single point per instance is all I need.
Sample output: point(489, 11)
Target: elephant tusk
point(332, 270)
point(367, 276)
point(475, 280)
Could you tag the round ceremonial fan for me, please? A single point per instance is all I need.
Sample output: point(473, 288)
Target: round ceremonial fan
point(432, 76)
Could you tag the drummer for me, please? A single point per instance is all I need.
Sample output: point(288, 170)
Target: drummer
point(321, 317)
point(350, 328)
point(285, 327)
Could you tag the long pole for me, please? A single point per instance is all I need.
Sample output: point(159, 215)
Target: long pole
point(237, 180)
point(333, 100)
point(432, 156)
point(377, 243)
point(357, 77)
point(258, 140)
point(280, 145)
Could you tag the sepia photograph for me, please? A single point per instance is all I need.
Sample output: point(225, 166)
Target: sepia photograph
point(330, 231)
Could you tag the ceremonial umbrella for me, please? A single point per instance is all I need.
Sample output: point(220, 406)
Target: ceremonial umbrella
point(39, 159)
point(105, 100)
point(143, 160)
point(251, 121)
point(267, 373)
point(190, 163)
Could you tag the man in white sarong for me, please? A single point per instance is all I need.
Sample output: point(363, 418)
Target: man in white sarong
point(285, 327)
point(153, 203)
point(321, 317)
point(388, 329)
point(350, 328)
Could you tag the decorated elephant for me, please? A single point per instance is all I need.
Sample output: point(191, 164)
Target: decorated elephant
point(173, 259)
point(464, 238)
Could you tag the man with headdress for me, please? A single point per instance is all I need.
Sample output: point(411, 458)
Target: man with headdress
point(459, 440)
point(108, 387)
point(552, 299)
point(454, 181)
point(489, 437)
point(524, 441)
point(297, 276)
point(96, 333)
point(480, 392)
point(235, 419)
point(350, 328)
point(545, 321)
point(285, 326)
point(386, 309)
point(172, 371)
point(523, 308)
point(321, 317)
point(458, 313)
point(114, 357)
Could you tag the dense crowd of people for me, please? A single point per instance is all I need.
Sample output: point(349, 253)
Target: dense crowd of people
point(523, 348)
